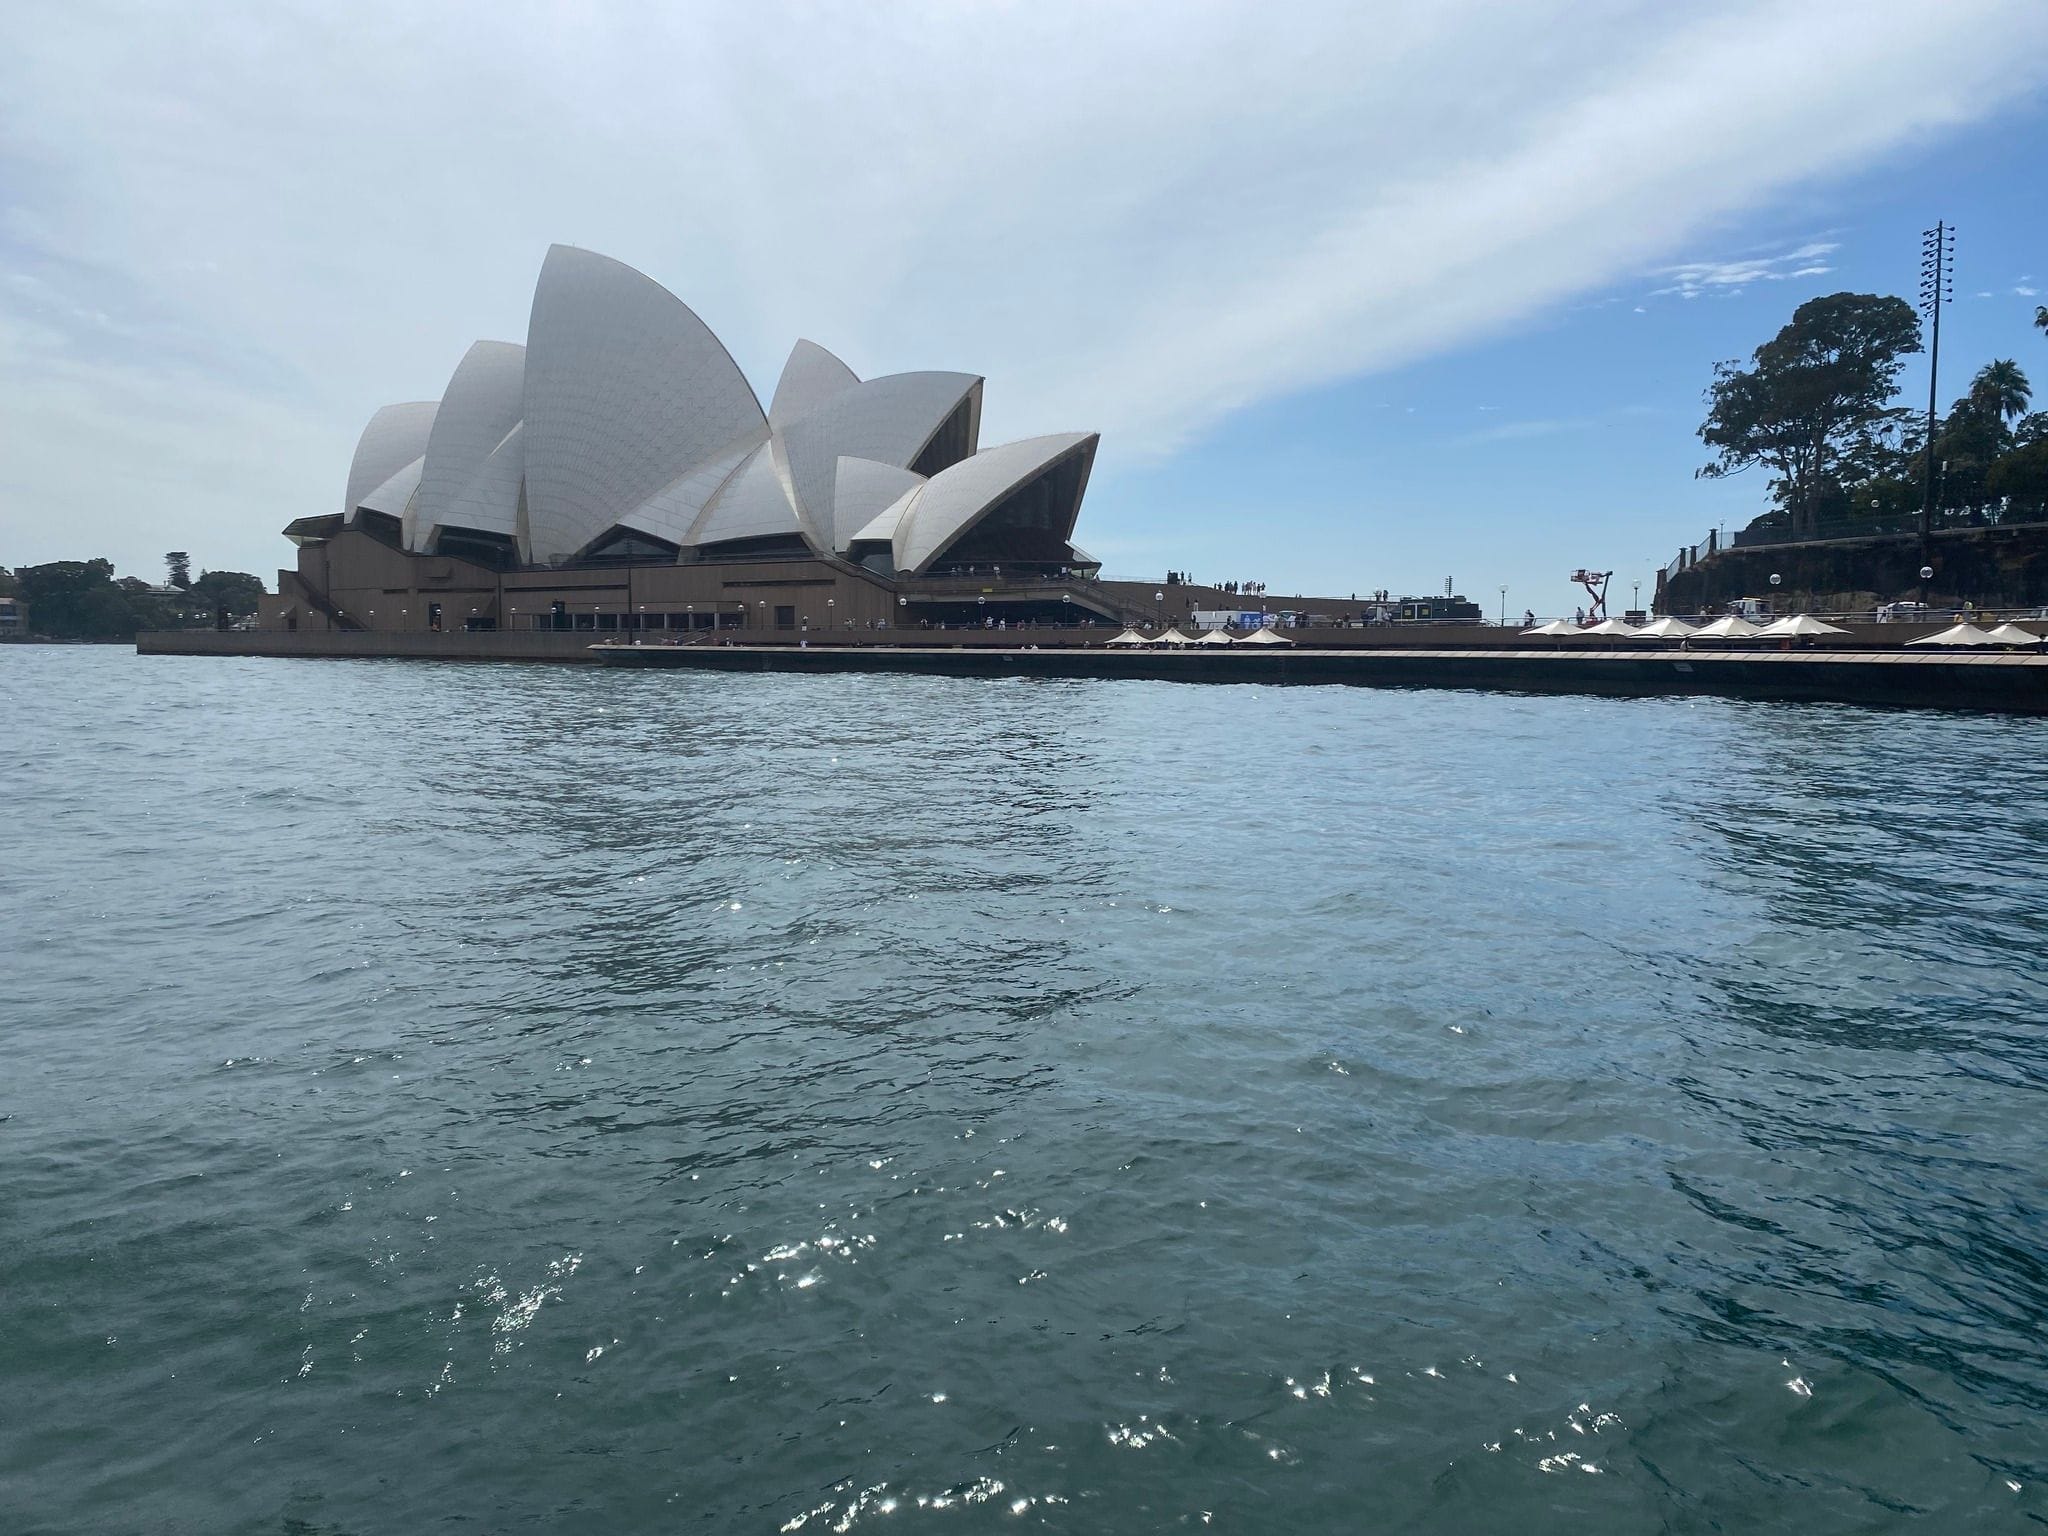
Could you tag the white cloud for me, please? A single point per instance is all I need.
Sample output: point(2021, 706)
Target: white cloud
point(231, 234)
point(1692, 279)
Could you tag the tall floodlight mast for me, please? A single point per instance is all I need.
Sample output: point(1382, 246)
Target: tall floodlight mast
point(1937, 287)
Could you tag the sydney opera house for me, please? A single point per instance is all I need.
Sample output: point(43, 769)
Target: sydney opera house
point(617, 471)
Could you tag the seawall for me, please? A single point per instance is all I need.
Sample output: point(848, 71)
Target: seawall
point(1908, 679)
point(2014, 683)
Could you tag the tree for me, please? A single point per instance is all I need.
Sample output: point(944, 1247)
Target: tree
point(1810, 394)
point(77, 600)
point(2021, 477)
point(2041, 316)
point(179, 565)
point(236, 591)
point(2000, 390)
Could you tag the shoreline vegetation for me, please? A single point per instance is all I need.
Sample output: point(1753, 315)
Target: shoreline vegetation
point(83, 600)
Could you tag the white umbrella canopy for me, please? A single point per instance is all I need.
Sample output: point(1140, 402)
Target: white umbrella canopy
point(1215, 637)
point(2012, 634)
point(1554, 627)
point(1666, 629)
point(1796, 627)
point(1128, 637)
point(1265, 637)
point(1612, 627)
point(1733, 627)
point(1964, 633)
point(1171, 637)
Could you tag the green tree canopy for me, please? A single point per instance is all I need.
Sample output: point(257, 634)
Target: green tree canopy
point(2001, 390)
point(77, 600)
point(178, 566)
point(235, 591)
point(2022, 477)
point(1811, 394)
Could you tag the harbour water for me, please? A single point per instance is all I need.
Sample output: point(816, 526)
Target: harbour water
point(522, 1098)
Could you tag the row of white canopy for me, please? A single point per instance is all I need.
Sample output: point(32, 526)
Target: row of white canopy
point(1213, 637)
point(1798, 626)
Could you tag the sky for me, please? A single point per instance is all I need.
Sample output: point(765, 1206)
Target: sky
point(1358, 296)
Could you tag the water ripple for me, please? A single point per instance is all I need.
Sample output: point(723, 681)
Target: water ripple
point(542, 1098)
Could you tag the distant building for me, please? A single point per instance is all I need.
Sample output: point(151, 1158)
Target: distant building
point(135, 586)
point(13, 617)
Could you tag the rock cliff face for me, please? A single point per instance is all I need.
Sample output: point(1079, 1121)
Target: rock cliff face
point(1990, 567)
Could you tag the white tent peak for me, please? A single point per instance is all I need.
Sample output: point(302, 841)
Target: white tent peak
point(2012, 634)
point(1964, 633)
point(1733, 627)
point(1666, 628)
point(1797, 626)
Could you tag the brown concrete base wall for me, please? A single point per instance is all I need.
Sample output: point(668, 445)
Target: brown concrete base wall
point(409, 645)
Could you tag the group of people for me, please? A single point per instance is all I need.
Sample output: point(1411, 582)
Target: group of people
point(1243, 588)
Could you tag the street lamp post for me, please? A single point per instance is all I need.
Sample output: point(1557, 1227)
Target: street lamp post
point(1503, 607)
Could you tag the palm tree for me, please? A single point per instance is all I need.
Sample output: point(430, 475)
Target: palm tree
point(2001, 391)
point(2041, 316)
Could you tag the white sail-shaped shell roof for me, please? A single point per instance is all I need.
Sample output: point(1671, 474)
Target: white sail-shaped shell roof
point(889, 420)
point(481, 404)
point(396, 436)
point(625, 390)
point(754, 503)
point(867, 495)
point(489, 503)
point(623, 412)
point(672, 512)
point(955, 499)
point(394, 496)
point(811, 377)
